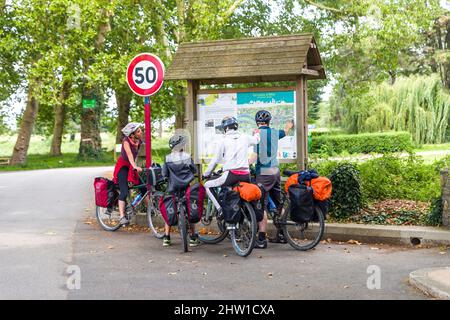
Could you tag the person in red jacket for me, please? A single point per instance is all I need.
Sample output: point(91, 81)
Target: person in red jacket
point(126, 169)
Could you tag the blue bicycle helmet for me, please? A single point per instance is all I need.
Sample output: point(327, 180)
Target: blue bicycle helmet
point(263, 116)
point(229, 123)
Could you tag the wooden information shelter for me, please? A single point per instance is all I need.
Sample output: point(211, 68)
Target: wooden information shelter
point(293, 58)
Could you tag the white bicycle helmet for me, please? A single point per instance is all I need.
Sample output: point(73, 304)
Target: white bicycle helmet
point(130, 128)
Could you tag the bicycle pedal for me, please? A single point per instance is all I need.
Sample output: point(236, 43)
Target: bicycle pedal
point(231, 228)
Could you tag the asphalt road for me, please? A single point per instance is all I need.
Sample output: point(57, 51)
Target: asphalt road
point(47, 226)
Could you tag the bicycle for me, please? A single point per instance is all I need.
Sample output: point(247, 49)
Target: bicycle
point(301, 236)
point(242, 234)
point(109, 218)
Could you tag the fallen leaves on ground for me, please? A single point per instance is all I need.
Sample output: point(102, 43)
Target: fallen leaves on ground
point(393, 212)
point(351, 241)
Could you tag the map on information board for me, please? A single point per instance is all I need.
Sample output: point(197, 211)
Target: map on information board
point(213, 107)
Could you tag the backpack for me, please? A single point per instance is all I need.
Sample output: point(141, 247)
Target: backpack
point(195, 196)
point(105, 192)
point(168, 208)
point(248, 191)
point(230, 201)
point(321, 185)
point(301, 203)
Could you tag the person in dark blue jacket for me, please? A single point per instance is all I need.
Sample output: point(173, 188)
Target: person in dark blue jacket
point(267, 169)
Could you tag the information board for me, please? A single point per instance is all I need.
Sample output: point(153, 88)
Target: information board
point(213, 107)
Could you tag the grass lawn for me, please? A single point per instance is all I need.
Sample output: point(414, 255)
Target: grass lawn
point(38, 157)
point(433, 147)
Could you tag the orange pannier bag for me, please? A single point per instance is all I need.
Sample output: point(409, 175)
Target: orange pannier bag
point(322, 186)
point(248, 191)
point(290, 181)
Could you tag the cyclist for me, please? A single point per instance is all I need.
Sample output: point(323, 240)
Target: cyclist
point(122, 174)
point(179, 168)
point(232, 152)
point(267, 169)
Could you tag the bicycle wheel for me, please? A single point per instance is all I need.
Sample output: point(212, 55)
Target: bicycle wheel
point(154, 216)
point(108, 218)
point(182, 228)
point(303, 236)
point(212, 230)
point(243, 235)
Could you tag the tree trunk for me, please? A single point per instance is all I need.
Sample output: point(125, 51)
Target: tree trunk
point(160, 129)
point(123, 101)
point(20, 150)
point(91, 143)
point(60, 117)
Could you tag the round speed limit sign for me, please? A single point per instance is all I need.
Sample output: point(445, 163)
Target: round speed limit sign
point(145, 74)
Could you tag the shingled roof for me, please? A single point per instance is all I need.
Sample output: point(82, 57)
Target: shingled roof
point(263, 59)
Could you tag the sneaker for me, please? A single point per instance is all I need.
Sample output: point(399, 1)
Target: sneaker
point(261, 244)
point(124, 221)
point(193, 241)
point(166, 242)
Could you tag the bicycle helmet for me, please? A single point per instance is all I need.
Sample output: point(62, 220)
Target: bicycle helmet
point(229, 123)
point(177, 140)
point(263, 116)
point(131, 128)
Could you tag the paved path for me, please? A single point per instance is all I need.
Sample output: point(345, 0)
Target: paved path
point(47, 225)
point(38, 214)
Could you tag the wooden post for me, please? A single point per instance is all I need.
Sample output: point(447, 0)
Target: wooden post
point(191, 108)
point(300, 124)
point(305, 109)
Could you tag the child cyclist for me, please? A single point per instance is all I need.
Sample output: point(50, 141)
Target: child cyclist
point(232, 152)
point(267, 169)
point(179, 168)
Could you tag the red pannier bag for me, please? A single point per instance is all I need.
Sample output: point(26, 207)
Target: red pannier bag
point(104, 192)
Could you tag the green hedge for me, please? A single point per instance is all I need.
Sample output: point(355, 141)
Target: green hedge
point(362, 143)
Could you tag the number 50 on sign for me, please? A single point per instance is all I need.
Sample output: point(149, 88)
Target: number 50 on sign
point(145, 74)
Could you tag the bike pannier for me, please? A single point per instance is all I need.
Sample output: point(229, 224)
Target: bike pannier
point(322, 188)
point(105, 192)
point(324, 206)
point(258, 205)
point(321, 185)
point(168, 208)
point(195, 196)
point(155, 175)
point(301, 203)
point(230, 202)
point(248, 191)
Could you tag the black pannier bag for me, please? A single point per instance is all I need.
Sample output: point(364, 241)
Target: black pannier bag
point(195, 196)
point(301, 203)
point(258, 205)
point(168, 208)
point(155, 175)
point(322, 205)
point(230, 201)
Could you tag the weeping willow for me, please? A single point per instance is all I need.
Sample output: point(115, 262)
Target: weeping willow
point(417, 104)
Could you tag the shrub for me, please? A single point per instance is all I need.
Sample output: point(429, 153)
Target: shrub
point(434, 218)
point(346, 198)
point(392, 177)
point(362, 143)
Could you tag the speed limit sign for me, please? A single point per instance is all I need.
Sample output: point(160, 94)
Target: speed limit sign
point(145, 74)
